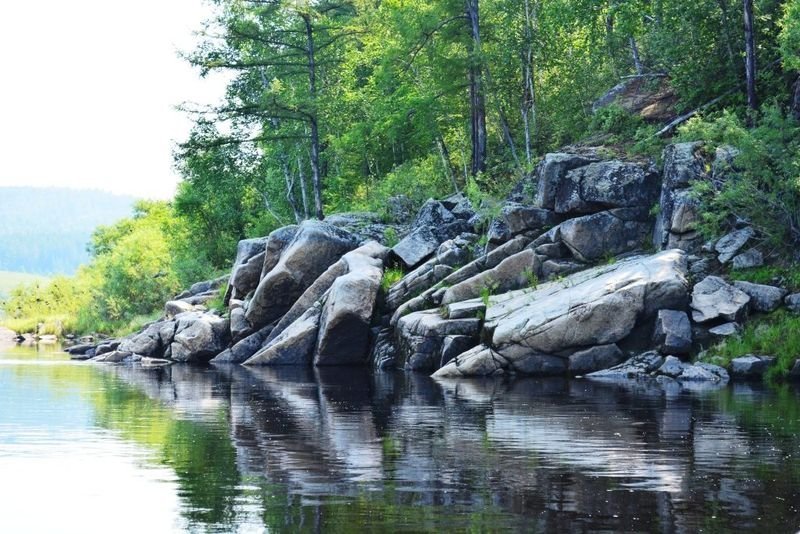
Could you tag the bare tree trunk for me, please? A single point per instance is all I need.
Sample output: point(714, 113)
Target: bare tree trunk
point(303, 193)
point(637, 63)
point(448, 167)
point(528, 94)
point(507, 134)
point(750, 55)
point(476, 96)
point(316, 179)
point(289, 179)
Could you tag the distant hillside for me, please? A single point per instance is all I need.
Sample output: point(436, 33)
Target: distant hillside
point(46, 231)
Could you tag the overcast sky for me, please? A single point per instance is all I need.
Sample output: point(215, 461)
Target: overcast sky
point(88, 90)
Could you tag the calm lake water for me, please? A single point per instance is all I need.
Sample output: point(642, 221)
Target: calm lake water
point(88, 448)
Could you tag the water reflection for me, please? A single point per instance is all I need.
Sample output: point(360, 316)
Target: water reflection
point(335, 449)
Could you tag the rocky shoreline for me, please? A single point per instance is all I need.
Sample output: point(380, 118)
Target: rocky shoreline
point(592, 267)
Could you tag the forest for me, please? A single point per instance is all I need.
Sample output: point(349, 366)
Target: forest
point(336, 106)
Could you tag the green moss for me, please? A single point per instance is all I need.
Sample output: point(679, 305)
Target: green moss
point(390, 277)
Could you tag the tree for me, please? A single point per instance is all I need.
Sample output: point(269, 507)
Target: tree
point(750, 54)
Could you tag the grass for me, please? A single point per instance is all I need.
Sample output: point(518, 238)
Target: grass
point(777, 334)
point(391, 276)
point(787, 277)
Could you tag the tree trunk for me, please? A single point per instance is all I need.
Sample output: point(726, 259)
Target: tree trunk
point(303, 193)
point(316, 179)
point(750, 55)
point(476, 96)
point(287, 177)
point(444, 153)
point(528, 93)
point(637, 63)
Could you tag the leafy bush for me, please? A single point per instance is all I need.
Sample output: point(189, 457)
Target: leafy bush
point(765, 189)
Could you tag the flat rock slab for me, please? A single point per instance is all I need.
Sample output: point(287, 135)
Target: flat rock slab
point(730, 245)
point(714, 298)
point(763, 298)
point(751, 367)
point(598, 306)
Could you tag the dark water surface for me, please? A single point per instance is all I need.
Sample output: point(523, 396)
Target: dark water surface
point(88, 448)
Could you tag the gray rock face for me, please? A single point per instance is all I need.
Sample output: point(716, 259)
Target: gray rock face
point(347, 312)
point(751, 367)
point(673, 332)
point(199, 337)
point(713, 298)
point(455, 345)
point(400, 209)
point(295, 345)
point(148, 342)
point(793, 302)
point(421, 335)
point(730, 245)
point(672, 367)
point(315, 247)
point(245, 277)
point(246, 249)
point(763, 298)
point(519, 218)
point(434, 225)
point(551, 171)
point(245, 348)
point(512, 273)
point(678, 215)
point(384, 352)
point(176, 307)
point(592, 237)
point(277, 241)
point(607, 184)
point(240, 328)
point(748, 260)
point(599, 306)
point(479, 361)
point(595, 359)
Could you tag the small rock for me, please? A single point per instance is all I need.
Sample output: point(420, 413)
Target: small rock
point(638, 366)
point(595, 359)
point(715, 370)
point(671, 367)
point(751, 366)
point(794, 374)
point(673, 332)
point(728, 246)
point(748, 260)
point(763, 298)
point(725, 330)
point(793, 302)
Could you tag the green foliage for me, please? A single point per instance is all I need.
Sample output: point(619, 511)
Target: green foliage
point(489, 289)
point(783, 276)
point(390, 237)
point(137, 265)
point(789, 37)
point(391, 276)
point(765, 189)
point(532, 278)
point(777, 334)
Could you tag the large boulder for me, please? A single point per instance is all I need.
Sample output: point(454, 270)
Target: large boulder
point(713, 298)
point(245, 348)
point(347, 313)
point(514, 272)
point(245, 277)
point(595, 307)
point(246, 250)
point(763, 298)
point(519, 218)
point(595, 359)
point(277, 241)
point(294, 346)
point(315, 247)
point(199, 337)
point(551, 172)
point(607, 184)
point(607, 233)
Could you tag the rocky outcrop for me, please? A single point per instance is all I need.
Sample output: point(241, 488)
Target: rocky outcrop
point(605, 234)
point(315, 247)
point(198, 337)
point(434, 225)
point(673, 332)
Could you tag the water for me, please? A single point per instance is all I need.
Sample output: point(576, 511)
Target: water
point(87, 448)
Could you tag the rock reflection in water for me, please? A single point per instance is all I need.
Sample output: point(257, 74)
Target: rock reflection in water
point(334, 446)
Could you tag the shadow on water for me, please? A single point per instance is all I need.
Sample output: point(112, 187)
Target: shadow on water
point(335, 448)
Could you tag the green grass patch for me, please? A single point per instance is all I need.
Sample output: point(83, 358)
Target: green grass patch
point(777, 334)
point(391, 276)
point(787, 277)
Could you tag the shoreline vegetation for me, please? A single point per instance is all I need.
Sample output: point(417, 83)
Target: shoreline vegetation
point(428, 101)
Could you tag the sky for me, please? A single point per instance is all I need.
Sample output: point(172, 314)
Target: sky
point(88, 90)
